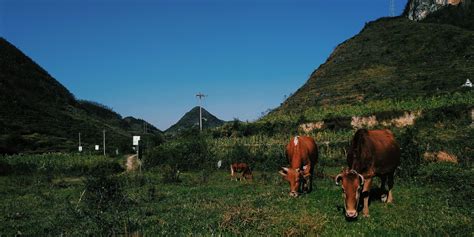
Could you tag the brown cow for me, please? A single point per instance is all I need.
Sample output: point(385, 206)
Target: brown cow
point(372, 153)
point(302, 154)
point(242, 168)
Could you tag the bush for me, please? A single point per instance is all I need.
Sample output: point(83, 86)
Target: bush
point(410, 154)
point(170, 174)
point(187, 153)
point(105, 204)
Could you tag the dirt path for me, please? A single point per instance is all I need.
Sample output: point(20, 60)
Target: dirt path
point(133, 163)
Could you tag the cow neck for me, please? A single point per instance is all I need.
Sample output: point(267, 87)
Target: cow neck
point(297, 159)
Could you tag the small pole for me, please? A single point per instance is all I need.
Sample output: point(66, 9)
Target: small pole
point(79, 148)
point(103, 132)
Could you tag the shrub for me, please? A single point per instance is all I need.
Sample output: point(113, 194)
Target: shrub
point(186, 153)
point(170, 174)
point(410, 154)
point(105, 203)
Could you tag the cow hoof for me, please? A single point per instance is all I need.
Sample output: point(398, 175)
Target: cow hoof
point(366, 215)
point(384, 197)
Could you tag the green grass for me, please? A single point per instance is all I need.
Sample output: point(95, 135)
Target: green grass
point(35, 205)
point(53, 163)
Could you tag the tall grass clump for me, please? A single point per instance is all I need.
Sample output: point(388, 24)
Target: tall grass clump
point(105, 206)
point(410, 154)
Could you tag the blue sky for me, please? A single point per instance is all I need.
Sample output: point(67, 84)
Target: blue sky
point(148, 58)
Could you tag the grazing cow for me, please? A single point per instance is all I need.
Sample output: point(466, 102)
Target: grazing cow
point(302, 154)
point(242, 168)
point(372, 153)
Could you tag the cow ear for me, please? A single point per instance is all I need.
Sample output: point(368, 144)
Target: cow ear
point(361, 179)
point(297, 170)
point(282, 173)
point(338, 179)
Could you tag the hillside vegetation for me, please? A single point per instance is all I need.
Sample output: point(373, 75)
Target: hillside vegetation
point(392, 58)
point(40, 115)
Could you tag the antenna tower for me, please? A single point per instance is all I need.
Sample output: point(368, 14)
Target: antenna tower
point(200, 96)
point(391, 8)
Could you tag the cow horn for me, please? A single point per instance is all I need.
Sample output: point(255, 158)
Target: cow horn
point(338, 179)
point(282, 173)
point(362, 180)
point(285, 169)
point(297, 170)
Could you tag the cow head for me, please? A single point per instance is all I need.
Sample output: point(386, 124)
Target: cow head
point(294, 177)
point(352, 184)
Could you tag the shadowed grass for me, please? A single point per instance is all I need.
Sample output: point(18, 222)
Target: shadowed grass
point(31, 205)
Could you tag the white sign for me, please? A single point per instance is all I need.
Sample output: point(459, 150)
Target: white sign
point(80, 148)
point(135, 140)
point(219, 164)
point(96, 147)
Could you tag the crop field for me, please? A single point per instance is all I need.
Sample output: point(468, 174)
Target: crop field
point(108, 201)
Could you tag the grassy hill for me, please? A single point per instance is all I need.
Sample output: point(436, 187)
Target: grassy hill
point(191, 120)
point(393, 58)
point(40, 115)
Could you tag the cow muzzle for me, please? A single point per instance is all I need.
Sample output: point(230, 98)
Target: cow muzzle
point(294, 194)
point(351, 214)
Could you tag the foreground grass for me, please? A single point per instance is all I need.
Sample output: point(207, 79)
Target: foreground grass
point(33, 205)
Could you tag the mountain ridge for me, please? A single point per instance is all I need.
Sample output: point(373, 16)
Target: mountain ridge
point(40, 115)
point(391, 58)
point(191, 120)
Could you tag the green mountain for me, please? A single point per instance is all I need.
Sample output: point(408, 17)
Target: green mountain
point(191, 120)
point(393, 58)
point(40, 115)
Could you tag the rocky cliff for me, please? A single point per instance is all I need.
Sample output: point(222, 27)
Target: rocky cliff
point(419, 9)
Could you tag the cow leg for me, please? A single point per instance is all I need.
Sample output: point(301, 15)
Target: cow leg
point(382, 187)
point(306, 185)
point(231, 173)
point(390, 187)
point(365, 195)
point(310, 183)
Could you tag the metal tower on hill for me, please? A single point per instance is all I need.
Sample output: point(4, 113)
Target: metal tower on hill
point(391, 8)
point(200, 96)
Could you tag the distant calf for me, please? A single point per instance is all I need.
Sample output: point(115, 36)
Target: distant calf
point(302, 154)
point(243, 169)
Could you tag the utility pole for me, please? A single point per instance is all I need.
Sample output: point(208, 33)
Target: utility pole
point(391, 8)
point(103, 133)
point(200, 96)
point(80, 147)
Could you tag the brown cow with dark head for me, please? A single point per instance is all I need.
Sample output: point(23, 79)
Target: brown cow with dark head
point(302, 154)
point(242, 168)
point(372, 153)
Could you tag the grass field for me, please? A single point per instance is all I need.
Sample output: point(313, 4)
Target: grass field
point(120, 203)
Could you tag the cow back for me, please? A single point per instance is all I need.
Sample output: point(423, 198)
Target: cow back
point(301, 151)
point(374, 152)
